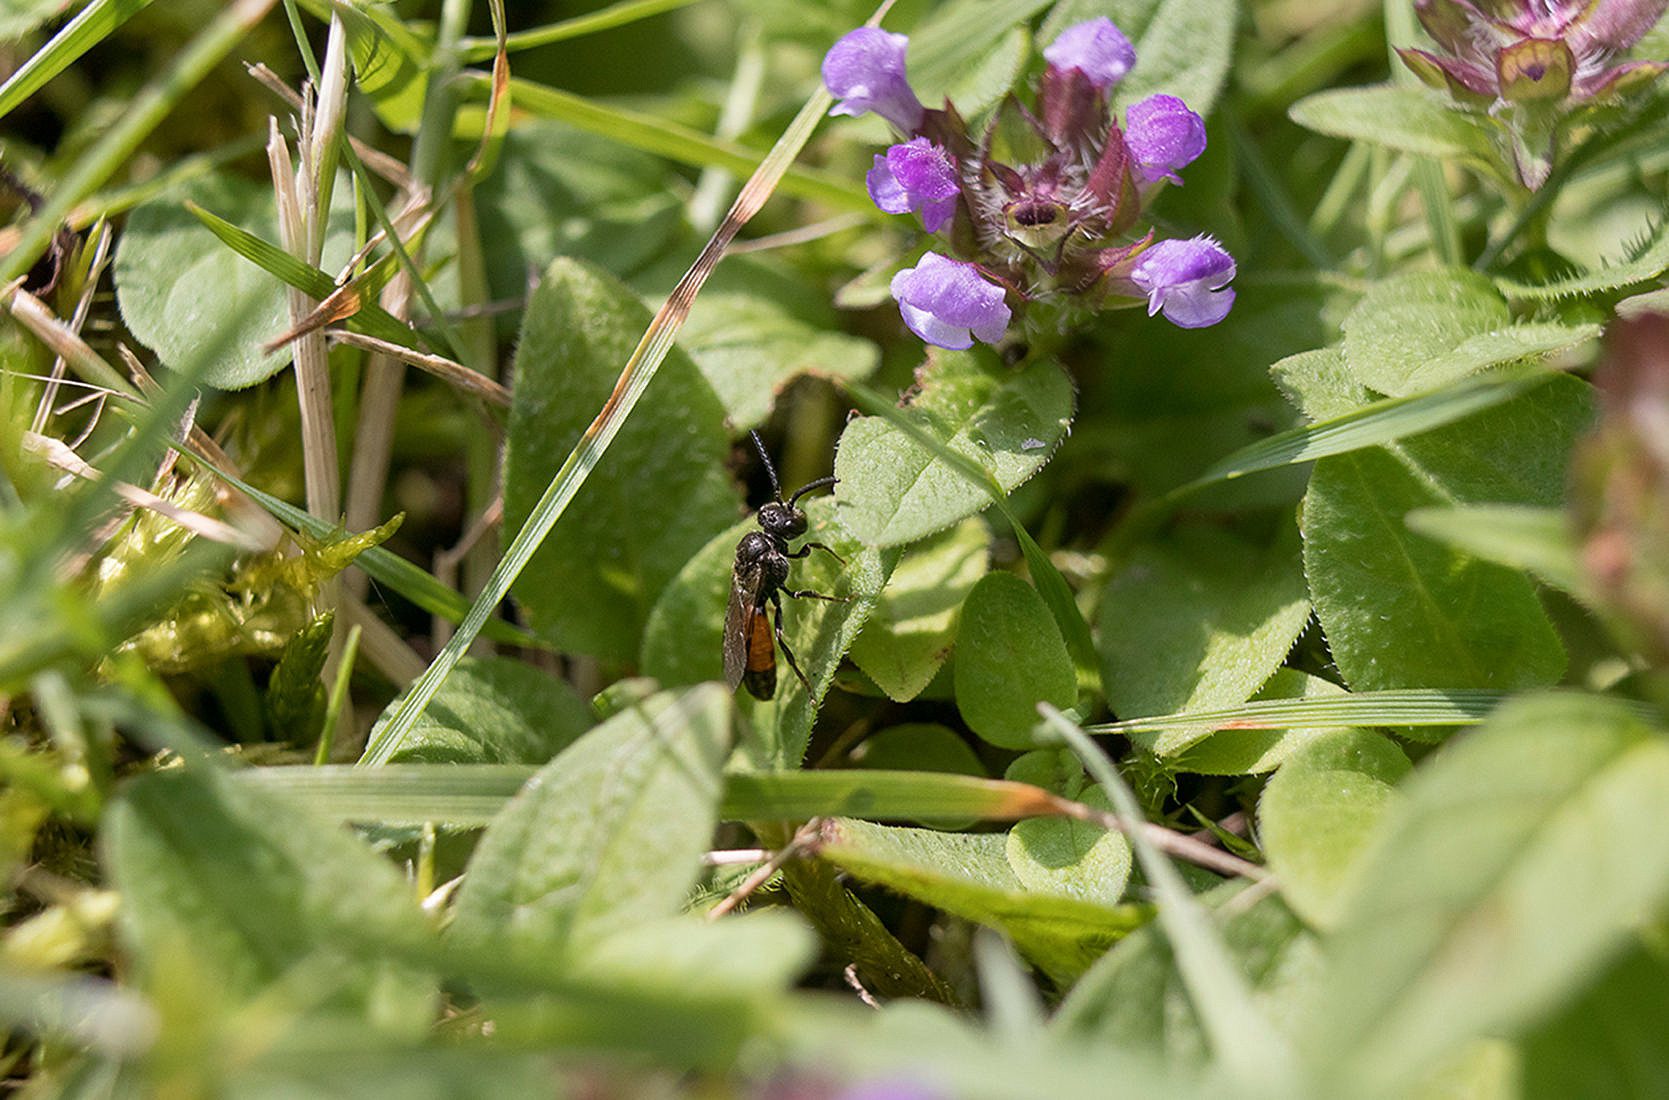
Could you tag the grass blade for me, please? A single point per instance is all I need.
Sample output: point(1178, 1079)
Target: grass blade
point(1536, 540)
point(153, 103)
point(1411, 707)
point(1241, 1037)
point(615, 15)
point(1370, 426)
point(92, 26)
point(678, 143)
point(635, 376)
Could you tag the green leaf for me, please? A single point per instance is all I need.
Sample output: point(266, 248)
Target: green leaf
point(893, 491)
point(1536, 540)
point(391, 62)
point(1410, 120)
point(949, 49)
point(1135, 998)
point(752, 955)
point(609, 833)
point(684, 640)
point(1010, 657)
point(1417, 331)
point(918, 746)
point(92, 25)
point(968, 875)
point(1606, 1042)
point(910, 634)
point(1517, 862)
point(494, 710)
point(558, 191)
point(664, 492)
point(1319, 813)
point(180, 289)
point(1647, 260)
point(1399, 609)
point(755, 329)
point(1072, 858)
point(256, 892)
point(1255, 751)
point(1200, 620)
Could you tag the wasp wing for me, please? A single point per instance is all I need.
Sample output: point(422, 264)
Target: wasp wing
point(745, 585)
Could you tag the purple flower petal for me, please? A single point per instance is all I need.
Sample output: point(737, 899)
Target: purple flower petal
point(916, 175)
point(865, 71)
point(1163, 136)
point(1098, 49)
point(1186, 279)
point(948, 303)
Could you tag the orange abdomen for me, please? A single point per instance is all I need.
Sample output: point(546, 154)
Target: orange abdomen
point(760, 675)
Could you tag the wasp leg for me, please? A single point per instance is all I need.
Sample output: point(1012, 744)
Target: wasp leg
point(810, 546)
point(808, 594)
point(782, 641)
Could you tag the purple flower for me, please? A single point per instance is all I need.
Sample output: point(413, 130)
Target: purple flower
point(1098, 49)
point(1163, 135)
point(916, 175)
point(865, 71)
point(1186, 279)
point(948, 303)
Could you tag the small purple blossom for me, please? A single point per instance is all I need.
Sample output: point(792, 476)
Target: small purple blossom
point(948, 303)
point(1163, 136)
point(865, 71)
point(916, 176)
point(1098, 49)
point(1186, 279)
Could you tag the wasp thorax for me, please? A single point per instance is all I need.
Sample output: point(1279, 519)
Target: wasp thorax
point(783, 520)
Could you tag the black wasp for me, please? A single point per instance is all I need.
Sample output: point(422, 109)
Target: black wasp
point(760, 576)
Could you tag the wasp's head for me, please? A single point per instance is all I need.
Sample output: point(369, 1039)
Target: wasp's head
point(785, 521)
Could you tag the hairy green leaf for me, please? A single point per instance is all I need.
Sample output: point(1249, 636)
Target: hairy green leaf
point(1410, 120)
point(494, 710)
point(893, 491)
point(908, 638)
point(663, 493)
point(1010, 657)
point(609, 833)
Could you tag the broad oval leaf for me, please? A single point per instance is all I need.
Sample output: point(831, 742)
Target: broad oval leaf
point(1319, 813)
point(659, 495)
point(893, 491)
point(610, 833)
point(1517, 861)
point(1010, 657)
point(969, 876)
point(1073, 858)
point(180, 289)
point(908, 638)
point(1200, 620)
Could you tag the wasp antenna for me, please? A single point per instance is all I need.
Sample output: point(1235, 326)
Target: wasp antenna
point(810, 485)
point(776, 487)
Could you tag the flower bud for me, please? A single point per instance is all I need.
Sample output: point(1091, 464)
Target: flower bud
point(916, 176)
point(948, 303)
point(1163, 136)
point(1186, 280)
point(1098, 49)
point(865, 71)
